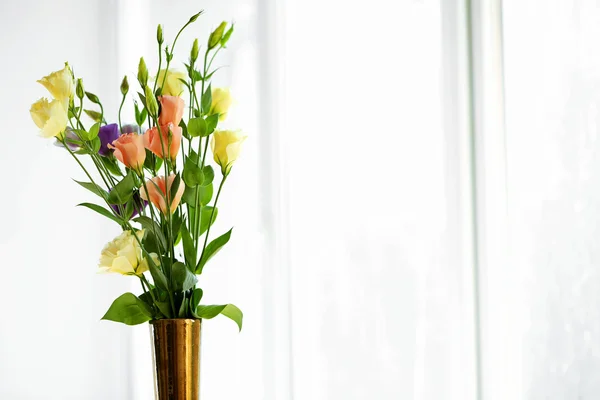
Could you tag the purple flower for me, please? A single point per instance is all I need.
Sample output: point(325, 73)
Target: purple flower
point(107, 134)
point(139, 205)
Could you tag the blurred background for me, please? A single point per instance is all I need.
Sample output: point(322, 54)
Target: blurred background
point(416, 208)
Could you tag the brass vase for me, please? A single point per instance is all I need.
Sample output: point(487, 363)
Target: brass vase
point(176, 356)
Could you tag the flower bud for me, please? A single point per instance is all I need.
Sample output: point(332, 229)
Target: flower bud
point(124, 86)
point(142, 73)
point(151, 104)
point(215, 37)
point(195, 17)
point(194, 53)
point(92, 97)
point(159, 34)
point(226, 36)
point(79, 89)
point(94, 115)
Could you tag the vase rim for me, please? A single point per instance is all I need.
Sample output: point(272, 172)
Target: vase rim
point(176, 320)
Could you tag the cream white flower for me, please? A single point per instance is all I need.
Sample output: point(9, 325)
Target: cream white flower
point(226, 147)
point(221, 101)
point(51, 117)
point(123, 255)
point(172, 86)
point(60, 85)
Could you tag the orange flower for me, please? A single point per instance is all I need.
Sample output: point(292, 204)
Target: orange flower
point(130, 150)
point(171, 140)
point(171, 110)
point(158, 192)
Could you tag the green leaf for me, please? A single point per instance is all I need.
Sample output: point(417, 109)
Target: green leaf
point(92, 187)
point(165, 308)
point(189, 251)
point(111, 164)
point(209, 175)
point(177, 221)
point(192, 174)
point(194, 157)
point(212, 73)
point(140, 116)
point(146, 297)
point(211, 123)
point(184, 307)
point(205, 217)
point(184, 82)
point(129, 209)
point(152, 227)
point(73, 112)
point(123, 191)
point(159, 278)
point(182, 278)
point(174, 187)
point(83, 134)
point(143, 100)
point(195, 299)
point(212, 249)
point(96, 145)
point(197, 127)
point(204, 195)
point(226, 36)
point(94, 130)
point(207, 100)
point(184, 130)
point(197, 75)
point(102, 211)
point(128, 309)
point(228, 310)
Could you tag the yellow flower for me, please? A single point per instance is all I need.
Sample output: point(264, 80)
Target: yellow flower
point(60, 85)
point(226, 146)
point(173, 86)
point(123, 255)
point(221, 101)
point(50, 117)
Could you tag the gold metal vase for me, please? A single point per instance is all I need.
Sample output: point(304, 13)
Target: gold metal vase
point(176, 356)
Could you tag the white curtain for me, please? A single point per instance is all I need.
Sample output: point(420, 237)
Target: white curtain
point(549, 289)
point(414, 209)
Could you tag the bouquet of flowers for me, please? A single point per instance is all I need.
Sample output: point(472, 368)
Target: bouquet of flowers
point(154, 178)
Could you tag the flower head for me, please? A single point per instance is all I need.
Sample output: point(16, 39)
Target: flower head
point(171, 110)
point(172, 86)
point(221, 101)
point(107, 134)
point(60, 84)
point(226, 146)
point(159, 191)
point(167, 139)
point(51, 117)
point(123, 255)
point(130, 150)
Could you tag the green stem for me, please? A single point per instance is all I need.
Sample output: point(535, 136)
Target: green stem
point(102, 120)
point(120, 108)
point(171, 53)
point(212, 214)
point(159, 64)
